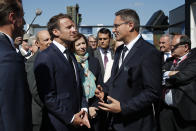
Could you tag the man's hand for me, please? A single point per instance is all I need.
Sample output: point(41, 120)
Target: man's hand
point(171, 73)
point(113, 107)
point(99, 93)
point(81, 119)
point(92, 111)
point(86, 121)
point(18, 41)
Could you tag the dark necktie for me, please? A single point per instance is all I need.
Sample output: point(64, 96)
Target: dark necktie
point(69, 58)
point(68, 54)
point(125, 49)
point(105, 58)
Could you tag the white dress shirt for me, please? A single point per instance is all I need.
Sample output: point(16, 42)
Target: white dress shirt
point(168, 95)
point(62, 49)
point(109, 64)
point(129, 47)
point(167, 55)
point(109, 54)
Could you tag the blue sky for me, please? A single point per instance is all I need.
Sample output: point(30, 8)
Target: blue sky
point(96, 11)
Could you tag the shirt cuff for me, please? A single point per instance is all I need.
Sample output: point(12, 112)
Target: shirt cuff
point(165, 76)
point(72, 118)
point(85, 109)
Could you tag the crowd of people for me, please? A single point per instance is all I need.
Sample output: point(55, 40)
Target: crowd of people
point(62, 80)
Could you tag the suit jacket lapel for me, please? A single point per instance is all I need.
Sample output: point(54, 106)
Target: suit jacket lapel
point(61, 56)
point(76, 68)
point(115, 66)
point(98, 55)
point(59, 53)
point(2, 35)
point(182, 63)
point(129, 56)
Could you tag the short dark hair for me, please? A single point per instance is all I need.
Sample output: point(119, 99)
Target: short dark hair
point(54, 23)
point(6, 8)
point(129, 15)
point(104, 31)
point(185, 39)
point(78, 37)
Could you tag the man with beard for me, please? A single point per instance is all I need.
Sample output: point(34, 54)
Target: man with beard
point(15, 104)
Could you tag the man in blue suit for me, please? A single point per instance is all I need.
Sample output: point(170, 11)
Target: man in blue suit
point(135, 81)
point(58, 82)
point(15, 102)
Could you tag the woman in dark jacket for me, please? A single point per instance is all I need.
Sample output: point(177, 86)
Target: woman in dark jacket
point(90, 75)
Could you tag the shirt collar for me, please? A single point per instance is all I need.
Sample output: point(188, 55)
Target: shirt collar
point(183, 57)
point(104, 50)
point(59, 46)
point(131, 44)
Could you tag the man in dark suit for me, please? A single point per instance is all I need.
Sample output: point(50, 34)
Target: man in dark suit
point(57, 77)
point(104, 53)
point(136, 78)
point(178, 113)
point(15, 102)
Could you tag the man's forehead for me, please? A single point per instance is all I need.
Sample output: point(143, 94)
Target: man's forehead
point(66, 21)
point(103, 35)
point(176, 40)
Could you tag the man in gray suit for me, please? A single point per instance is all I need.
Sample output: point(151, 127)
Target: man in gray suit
point(15, 103)
point(36, 102)
point(104, 53)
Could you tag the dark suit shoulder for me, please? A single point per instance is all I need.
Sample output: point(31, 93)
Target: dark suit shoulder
point(94, 65)
point(93, 59)
point(96, 52)
point(148, 48)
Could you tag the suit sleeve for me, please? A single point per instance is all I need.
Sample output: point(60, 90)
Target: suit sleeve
point(151, 83)
point(185, 75)
point(44, 74)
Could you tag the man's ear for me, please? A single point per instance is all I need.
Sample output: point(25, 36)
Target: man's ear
point(56, 32)
point(36, 43)
point(12, 18)
point(186, 48)
point(131, 26)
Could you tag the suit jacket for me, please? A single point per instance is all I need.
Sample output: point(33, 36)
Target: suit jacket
point(15, 99)
point(136, 85)
point(97, 55)
point(94, 67)
point(58, 88)
point(36, 102)
point(183, 86)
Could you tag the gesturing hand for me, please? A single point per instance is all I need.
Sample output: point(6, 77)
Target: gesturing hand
point(92, 112)
point(172, 73)
point(81, 119)
point(114, 106)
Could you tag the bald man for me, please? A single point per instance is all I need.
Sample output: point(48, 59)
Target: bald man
point(178, 113)
point(43, 39)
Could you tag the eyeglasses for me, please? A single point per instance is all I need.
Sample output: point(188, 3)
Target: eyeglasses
point(177, 45)
point(118, 25)
point(92, 41)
